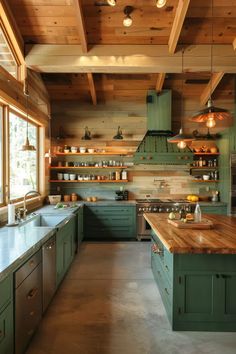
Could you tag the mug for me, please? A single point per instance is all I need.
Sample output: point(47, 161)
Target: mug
point(66, 176)
point(72, 176)
point(60, 176)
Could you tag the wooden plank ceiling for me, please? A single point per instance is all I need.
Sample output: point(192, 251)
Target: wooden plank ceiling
point(94, 22)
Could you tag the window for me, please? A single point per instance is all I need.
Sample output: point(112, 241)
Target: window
point(7, 60)
point(22, 164)
point(1, 154)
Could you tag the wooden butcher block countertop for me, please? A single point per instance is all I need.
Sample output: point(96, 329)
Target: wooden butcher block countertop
point(221, 239)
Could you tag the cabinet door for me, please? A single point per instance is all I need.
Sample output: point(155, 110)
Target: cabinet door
point(196, 297)
point(80, 226)
point(226, 292)
point(221, 210)
point(6, 330)
point(60, 256)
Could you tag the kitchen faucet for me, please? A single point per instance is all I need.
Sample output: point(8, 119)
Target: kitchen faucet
point(24, 206)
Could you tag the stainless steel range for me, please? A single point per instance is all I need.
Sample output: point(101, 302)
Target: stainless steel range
point(156, 206)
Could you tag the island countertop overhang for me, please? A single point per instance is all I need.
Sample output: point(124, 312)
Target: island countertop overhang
point(219, 240)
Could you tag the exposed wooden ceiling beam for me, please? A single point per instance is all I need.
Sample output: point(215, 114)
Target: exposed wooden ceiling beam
point(92, 88)
point(211, 86)
point(177, 24)
point(234, 43)
point(160, 81)
point(81, 25)
point(129, 59)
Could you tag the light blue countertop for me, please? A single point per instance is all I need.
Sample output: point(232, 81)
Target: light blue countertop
point(19, 242)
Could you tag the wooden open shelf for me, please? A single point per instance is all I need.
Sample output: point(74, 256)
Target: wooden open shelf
point(86, 167)
point(205, 181)
point(203, 168)
point(207, 153)
point(90, 181)
point(93, 154)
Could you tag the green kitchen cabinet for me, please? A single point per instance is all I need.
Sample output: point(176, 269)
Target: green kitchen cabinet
point(221, 209)
point(6, 316)
point(110, 222)
point(197, 290)
point(80, 230)
point(65, 247)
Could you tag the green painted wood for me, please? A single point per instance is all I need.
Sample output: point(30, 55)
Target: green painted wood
point(80, 225)
point(159, 110)
point(171, 158)
point(7, 330)
point(221, 210)
point(198, 290)
point(6, 288)
point(65, 248)
point(114, 222)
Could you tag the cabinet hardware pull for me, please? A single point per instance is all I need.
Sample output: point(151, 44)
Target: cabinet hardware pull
point(156, 250)
point(167, 268)
point(1, 333)
point(167, 291)
point(217, 276)
point(32, 293)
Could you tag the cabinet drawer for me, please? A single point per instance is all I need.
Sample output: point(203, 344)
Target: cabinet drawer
point(110, 232)
point(6, 330)
point(5, 291)
point(28, 308)
point(222, 210)
point(27, 268)
point(110, 220)
point(113, 210)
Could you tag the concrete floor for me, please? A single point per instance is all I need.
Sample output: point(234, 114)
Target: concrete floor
point(109, 304)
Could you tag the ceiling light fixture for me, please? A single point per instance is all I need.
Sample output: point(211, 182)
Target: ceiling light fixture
point(181, 139)
point(27, 146)
point(160, 3)
point(211, 114)
point(127, 22)
point(118, 135)
point(111, 2)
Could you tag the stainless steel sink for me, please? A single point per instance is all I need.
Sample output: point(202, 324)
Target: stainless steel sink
point(47, 221)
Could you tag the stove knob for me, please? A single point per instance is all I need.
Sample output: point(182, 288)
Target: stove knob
point(149, 209)
point(167, 210)
point(160, 210)
point(155, 209)
point(140, 209)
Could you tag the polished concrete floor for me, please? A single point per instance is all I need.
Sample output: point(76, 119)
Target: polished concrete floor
point(109, 304)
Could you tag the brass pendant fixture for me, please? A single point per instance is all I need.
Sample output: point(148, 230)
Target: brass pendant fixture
point(211, 114)
point(49, 154)
point(181, 139)
point(27, 146)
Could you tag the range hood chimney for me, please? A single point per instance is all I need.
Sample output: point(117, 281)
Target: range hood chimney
point(154, 148)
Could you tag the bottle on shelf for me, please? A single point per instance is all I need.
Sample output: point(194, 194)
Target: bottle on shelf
point(124, 174)
point(117, 175)
point(200, 162)
point(197, 213)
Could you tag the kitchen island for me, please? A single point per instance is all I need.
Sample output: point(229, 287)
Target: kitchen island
point(195, 271)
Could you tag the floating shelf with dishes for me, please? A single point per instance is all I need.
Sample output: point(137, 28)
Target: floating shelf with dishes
point(91, 181)
point(93, 154)
point(87, 167)
point(205, 181)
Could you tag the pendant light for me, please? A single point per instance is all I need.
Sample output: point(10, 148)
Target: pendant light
point(27, 146)
point(111, 2)
point(211, 114)
point(49, 154)
point(118, 135)
point(160, 3)
point(127, 22)
point(181, 139)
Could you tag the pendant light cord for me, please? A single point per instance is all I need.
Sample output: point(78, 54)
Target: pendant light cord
point(182, 96)
point(211, 52)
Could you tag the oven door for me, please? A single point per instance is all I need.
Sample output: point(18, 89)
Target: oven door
point(144, 229)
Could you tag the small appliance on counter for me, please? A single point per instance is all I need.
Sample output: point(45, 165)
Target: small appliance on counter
point(121, 195)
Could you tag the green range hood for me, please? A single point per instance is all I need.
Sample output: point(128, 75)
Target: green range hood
point(154, 148)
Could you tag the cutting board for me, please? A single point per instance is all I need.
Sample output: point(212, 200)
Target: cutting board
point(203, 225)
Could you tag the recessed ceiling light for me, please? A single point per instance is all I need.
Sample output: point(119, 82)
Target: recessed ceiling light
point(127, 22)
point(160, 3)
point(111, 2)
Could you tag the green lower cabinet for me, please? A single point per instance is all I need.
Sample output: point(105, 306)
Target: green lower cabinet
point(197, 290)
point(6, 316)
point(65, 247)
point(114, 222)
point(221, 210)
point(6, 330)
point(80, 225)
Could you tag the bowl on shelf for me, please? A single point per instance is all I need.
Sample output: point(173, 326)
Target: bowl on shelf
point(74, 149)
point(91, 151)
point(205, 177)
point(82, 150)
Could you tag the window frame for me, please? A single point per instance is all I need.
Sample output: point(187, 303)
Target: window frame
point(30, 121)
point(2, 126)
